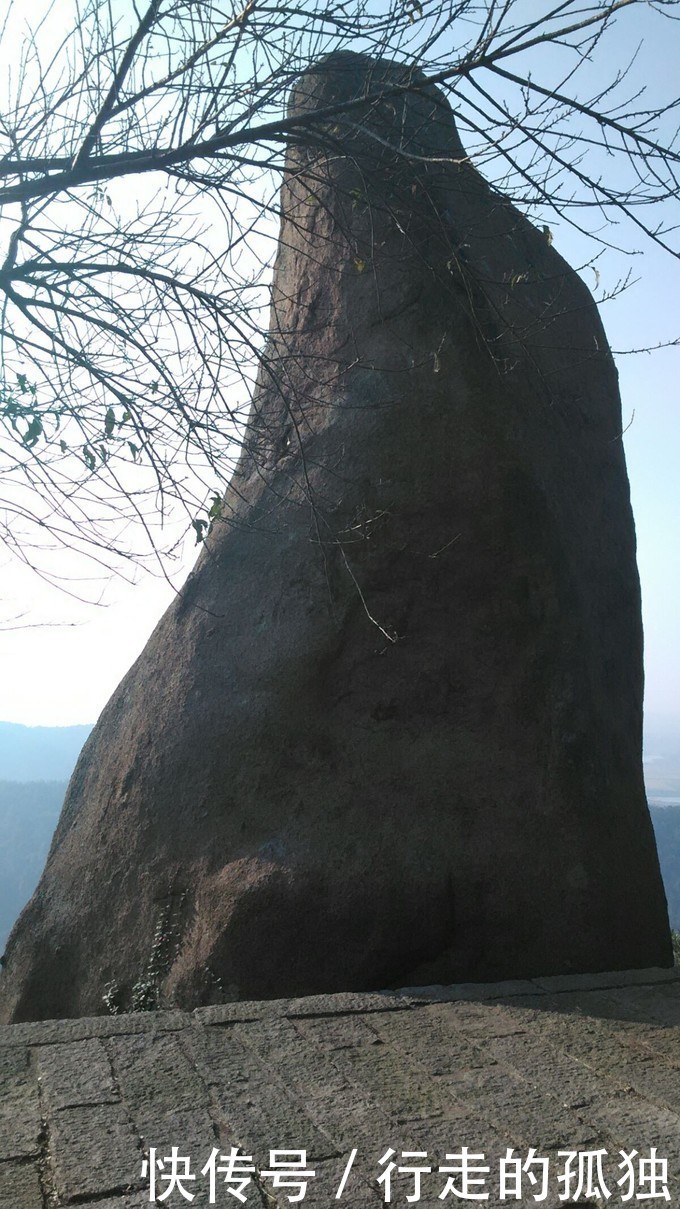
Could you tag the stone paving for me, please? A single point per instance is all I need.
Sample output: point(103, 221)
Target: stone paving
point(579, 1064)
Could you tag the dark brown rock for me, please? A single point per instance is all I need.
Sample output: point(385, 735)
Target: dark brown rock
point(391, 731)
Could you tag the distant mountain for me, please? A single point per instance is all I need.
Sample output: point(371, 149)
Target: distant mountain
point(39, 753)
point(35, 765)
point(28, 816)
point(666, 822)
point(662, 754)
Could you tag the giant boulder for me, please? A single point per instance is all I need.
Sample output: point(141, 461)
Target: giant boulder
point(391, 729)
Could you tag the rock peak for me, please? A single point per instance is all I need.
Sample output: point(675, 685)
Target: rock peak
point(391, 732)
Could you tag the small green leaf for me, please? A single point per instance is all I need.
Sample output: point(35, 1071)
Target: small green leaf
point(11, 410)
point(199, 528)
point(215, 511)
point(89, 458)
point(22, 382)
point(134, 450)
point(33, 432)
point(63, 446)
point(109, 422)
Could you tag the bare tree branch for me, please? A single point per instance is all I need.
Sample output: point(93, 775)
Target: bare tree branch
point(140, 159)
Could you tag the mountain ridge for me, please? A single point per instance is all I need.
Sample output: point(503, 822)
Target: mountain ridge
point(39, 753)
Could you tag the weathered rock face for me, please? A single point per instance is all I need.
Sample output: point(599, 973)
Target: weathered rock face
point(392, 729)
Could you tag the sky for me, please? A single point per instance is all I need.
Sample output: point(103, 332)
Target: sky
point(64, 672)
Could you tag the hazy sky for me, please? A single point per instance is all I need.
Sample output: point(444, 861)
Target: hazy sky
point(65, 673)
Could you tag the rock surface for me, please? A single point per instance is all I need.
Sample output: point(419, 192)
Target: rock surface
point(391, 731)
